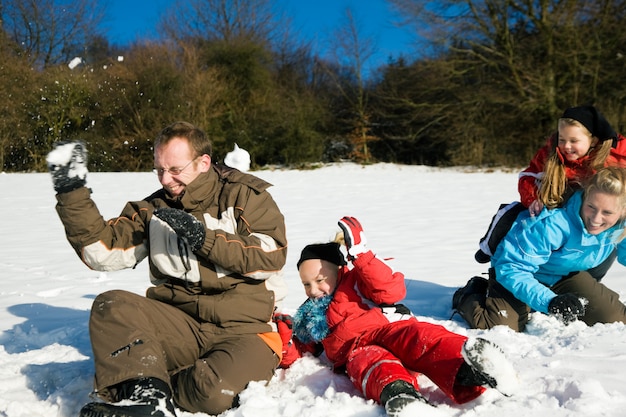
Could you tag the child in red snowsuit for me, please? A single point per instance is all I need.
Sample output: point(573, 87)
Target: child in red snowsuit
point(353, 313)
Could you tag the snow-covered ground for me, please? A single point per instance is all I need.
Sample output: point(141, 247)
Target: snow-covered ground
point(429, 220)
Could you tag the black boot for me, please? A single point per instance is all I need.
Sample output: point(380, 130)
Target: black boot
point(476, 285)
point(397, 395)
point(471, 377)
point(147, 397)
point(486, 365)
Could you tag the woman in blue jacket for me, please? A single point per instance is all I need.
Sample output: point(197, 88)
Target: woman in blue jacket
point(543, 262)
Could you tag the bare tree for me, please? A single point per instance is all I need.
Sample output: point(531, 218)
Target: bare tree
point(526, 59)
point(352, 51)
point(546, 52)
point(254, 21)
point(51, 31)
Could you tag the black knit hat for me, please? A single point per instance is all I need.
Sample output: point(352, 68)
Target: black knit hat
point(325, 251)
point(593, 120)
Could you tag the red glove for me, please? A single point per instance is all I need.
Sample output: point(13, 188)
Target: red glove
point(284, 324)
point(353, 236)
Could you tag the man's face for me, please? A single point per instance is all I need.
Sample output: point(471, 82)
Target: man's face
point(176, 166)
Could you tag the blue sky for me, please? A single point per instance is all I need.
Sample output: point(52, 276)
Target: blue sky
point(129, 20)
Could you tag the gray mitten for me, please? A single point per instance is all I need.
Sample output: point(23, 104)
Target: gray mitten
point(67, 164)
point(187, 227)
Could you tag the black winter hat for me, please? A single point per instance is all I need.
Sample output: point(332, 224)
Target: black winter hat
point(593, 120)
point(325, 251)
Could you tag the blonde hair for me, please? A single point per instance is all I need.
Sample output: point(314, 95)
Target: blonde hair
point(554, 182)
point(340, 239)
point(610, 181)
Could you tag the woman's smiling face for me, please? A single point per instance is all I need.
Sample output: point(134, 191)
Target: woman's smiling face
point(600, 211)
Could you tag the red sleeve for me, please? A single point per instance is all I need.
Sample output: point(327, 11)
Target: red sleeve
point(617, 156)
point(528, 178)
point(377, 281)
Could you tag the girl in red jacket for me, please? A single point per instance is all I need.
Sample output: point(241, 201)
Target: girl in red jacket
point(353, 314)
point(584, 142)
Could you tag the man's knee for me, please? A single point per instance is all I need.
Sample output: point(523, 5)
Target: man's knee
point(110, 298)
point(111, 304)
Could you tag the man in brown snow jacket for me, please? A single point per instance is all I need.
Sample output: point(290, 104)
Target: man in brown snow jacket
point(216, 244)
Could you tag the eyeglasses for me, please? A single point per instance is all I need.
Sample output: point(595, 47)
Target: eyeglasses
point(172, 171)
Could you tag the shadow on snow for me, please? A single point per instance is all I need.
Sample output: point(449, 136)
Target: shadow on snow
point(54, 375)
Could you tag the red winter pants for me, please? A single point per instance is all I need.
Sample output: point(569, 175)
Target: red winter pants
point(399, 350)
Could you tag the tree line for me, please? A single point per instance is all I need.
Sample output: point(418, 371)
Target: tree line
point(485, 87)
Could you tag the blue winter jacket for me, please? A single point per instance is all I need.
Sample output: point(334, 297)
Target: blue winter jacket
point(539, 251)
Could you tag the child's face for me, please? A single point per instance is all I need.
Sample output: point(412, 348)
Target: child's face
point(600, 211)
point(318, 277)
point(574, 142)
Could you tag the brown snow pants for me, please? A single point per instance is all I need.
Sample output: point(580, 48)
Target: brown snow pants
point(136, 337)
point(500, 307)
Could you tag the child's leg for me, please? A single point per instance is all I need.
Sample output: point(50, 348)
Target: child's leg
point(380, 376)
point(372, 367)
point(429, 349)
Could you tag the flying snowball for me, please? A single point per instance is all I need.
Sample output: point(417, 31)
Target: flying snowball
point(75, 62)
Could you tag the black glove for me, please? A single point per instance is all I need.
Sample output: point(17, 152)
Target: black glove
point(566, 307)
point(187, 227)
point(67, 164)
point(396, 312)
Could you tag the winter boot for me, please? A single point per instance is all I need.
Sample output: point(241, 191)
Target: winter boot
point(476, 285)
point(148, 397)
point(471, 377)
point(486, 366)
point(397, 395)
point(481, 257)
